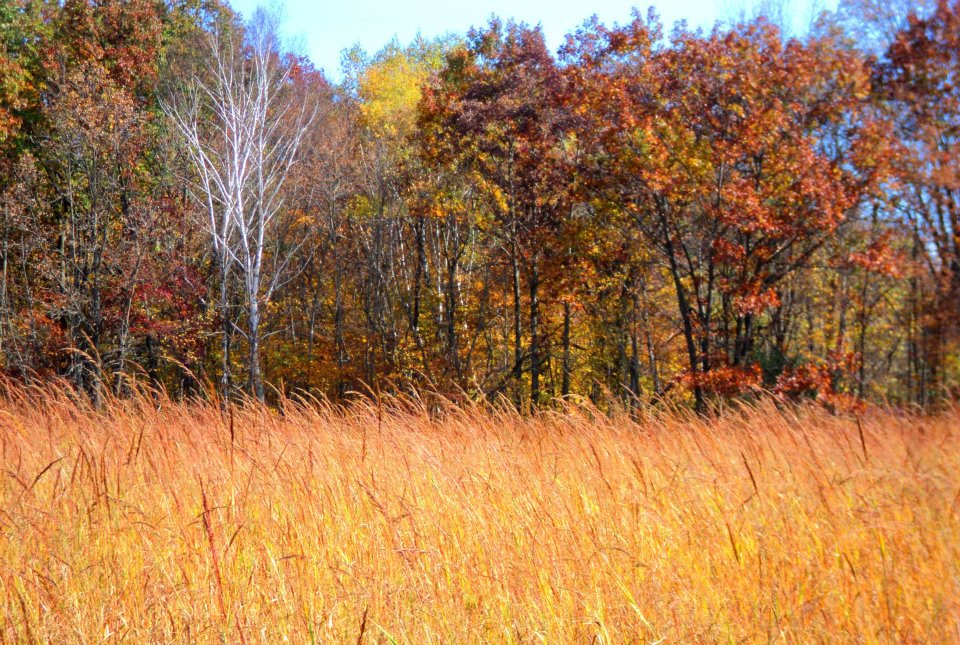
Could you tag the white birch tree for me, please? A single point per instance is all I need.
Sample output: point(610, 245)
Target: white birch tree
point(243, 127)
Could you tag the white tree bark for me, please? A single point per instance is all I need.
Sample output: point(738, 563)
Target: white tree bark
point(243, 128)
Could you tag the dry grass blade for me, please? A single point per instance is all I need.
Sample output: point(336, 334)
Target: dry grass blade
point(472, 525)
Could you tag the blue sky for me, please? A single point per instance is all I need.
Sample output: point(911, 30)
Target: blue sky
point(324, 28)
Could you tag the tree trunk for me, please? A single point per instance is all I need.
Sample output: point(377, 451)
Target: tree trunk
point(453, 348)
point(517, 331)
point(565, 383)
point(686, 317)
point(634, 369)
point(254, 380)
point(534, 335)
point(648, 339)
point(338, 335)
point(225, 378)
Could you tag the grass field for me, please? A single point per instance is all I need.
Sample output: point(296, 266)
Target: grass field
point(162, 522)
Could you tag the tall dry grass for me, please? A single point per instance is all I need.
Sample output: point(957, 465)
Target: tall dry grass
point(155, 521)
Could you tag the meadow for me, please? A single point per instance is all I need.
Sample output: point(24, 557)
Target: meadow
point(154, 521)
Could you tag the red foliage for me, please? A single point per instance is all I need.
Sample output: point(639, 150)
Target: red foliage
point(726, 381)
point(818, 381)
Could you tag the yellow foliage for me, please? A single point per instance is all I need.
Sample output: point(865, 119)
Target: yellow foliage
point(390, 91)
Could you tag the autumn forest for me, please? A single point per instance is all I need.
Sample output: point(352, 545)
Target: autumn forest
point(647, 216)
point(652, 337)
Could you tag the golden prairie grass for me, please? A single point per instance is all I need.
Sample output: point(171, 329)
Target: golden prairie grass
point(156, 521)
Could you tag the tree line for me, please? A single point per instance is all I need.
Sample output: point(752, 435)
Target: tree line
point(639, 217)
